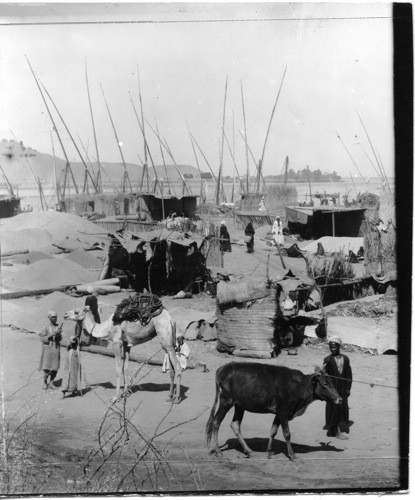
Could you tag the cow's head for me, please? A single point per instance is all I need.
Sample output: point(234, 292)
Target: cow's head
point(77, 314)
point(323, 387)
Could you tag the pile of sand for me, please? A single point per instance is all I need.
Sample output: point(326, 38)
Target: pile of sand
point(84, 259)
point(30, 313)
point(60, 224)
point(31, 257)
point(38, 240)
point(48, 274)
point(38, 230)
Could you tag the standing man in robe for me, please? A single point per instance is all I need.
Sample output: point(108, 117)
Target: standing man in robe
point(51, 337)
point(337, 365)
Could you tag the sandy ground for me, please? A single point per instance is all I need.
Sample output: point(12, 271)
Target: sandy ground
point(65, 431)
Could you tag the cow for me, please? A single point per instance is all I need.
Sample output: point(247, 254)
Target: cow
point(262, 388)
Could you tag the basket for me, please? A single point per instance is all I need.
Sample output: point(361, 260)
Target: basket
point(247, 238)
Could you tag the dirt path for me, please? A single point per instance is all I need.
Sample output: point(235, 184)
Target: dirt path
point(65, 430)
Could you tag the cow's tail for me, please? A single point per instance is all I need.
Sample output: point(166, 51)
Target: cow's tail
point(209, 425)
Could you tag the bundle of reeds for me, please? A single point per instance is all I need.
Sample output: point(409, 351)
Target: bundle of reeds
point(380, 251)
point(280, 195)
point(211, 249)
point(329, 270)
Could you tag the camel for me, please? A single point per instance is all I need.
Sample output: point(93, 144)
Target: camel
point(128, 334)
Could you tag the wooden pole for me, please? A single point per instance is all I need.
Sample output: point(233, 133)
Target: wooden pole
point(286, 171)
point(373, 149)
point(164, 161)
point(162, 199)
point(37, 180)
point(68, 165)
point(333, 224)
point(246, 141)
point(147, 149)
point(219, 184)
point(355, 190)
point(309, 184)
point(166, 147)
point(204, 157)
point(202, 195)
point(126, 177)
point(234, 164)
point(354, 163)
point(58, 198)
point(67, 129)
point(98, 177)
point(272, 116)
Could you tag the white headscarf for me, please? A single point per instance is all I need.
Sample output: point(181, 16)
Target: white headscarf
point(336, 339)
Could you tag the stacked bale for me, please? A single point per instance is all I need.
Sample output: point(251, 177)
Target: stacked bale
point(380, 247)
point(246, 315)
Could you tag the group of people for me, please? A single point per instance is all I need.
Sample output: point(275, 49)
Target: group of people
point(50, 359)
point(249, 233)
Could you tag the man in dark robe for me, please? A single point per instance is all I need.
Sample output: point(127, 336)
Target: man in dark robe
point(225, 239)
point(338, 366)
point(139, 268)
point(249, 234)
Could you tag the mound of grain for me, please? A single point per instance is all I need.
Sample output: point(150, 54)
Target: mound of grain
point(48, 274)
point(60, 224)
point(84, 259)
point(36, 240)
point(30, 313)
point(32, 257)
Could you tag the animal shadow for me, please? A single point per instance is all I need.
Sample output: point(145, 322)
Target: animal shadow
point(104, 385)
point(152, 387)
point(260, 445)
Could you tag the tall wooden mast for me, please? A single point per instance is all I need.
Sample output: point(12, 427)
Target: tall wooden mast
point(126, 178)
point(219, 183)
point(68, 169)
point(98, 181)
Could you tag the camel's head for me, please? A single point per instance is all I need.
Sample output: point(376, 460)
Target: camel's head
point(78, 314)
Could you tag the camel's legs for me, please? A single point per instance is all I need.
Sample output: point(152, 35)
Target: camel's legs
point(126, 361)
point(118, 348)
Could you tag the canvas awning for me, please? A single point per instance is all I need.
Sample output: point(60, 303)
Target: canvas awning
point(184, 239)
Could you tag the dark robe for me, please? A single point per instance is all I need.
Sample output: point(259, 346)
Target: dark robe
point(250, 231)
point(225, 239)
point(337, 416)
point(195, 269)
point(139, 267)
point(92, 302)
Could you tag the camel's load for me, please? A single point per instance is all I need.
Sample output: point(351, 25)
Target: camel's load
point(141, 306)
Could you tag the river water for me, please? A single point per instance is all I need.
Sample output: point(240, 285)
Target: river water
point(30, 195)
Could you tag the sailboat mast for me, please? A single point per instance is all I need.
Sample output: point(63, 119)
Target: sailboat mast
point(99, 176)
point(246, 141)
point(126, 177)
point(219, 184)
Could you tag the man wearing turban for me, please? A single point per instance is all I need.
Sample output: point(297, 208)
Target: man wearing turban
point(51, 337)
point(337, 365)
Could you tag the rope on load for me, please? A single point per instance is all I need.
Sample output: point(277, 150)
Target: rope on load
point(141, 307)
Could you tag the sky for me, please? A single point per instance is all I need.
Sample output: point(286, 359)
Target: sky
point(338, 60)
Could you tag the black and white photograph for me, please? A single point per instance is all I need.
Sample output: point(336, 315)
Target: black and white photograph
point(199, 206)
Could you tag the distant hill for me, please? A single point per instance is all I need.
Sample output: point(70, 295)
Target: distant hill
point(13, 162)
